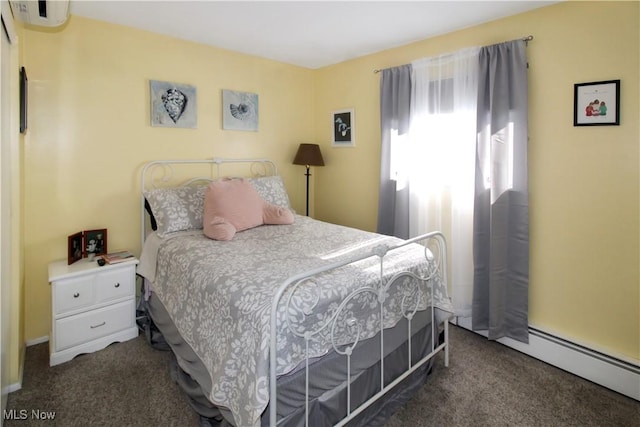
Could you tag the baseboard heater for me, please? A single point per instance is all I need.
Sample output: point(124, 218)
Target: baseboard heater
point(608, 371)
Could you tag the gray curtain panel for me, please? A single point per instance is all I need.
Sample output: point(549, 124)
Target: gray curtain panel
point(395, 102)
point(501, 205)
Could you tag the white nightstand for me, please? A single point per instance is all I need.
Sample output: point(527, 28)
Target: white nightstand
point(92, 307)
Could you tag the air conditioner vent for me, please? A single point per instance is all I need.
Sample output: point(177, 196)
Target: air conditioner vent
point(48, 13)
point(42, 8)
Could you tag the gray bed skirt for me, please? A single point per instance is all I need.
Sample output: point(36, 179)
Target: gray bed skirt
point(327, 404)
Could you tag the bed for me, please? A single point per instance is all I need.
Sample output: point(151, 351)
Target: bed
point(303, 324)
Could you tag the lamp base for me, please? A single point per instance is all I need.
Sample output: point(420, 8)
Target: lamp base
point(308, 174)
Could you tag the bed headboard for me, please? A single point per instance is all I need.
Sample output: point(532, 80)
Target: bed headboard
point(183, 173)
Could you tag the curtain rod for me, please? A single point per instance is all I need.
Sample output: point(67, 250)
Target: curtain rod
point(526, 41)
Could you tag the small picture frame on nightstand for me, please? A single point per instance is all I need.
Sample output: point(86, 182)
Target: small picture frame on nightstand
point(95, 242)
point(74, 248)
point(91, 243)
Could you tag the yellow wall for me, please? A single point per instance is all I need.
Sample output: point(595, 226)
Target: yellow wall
point(89, 132)
point(584, 181)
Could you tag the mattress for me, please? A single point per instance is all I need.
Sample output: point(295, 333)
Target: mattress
point(218, 295)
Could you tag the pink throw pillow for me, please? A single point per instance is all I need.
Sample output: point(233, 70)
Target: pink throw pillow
point(233, 205)
point(276, 215)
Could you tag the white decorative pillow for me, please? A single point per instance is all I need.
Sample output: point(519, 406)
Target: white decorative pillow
point(271, 189)
point(177, 209)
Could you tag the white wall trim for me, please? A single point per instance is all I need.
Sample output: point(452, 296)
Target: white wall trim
point(13, 387)
point(36, 341)
point(618, 375)
point(17, 386)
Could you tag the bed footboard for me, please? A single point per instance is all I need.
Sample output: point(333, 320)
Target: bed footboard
point(411, 290)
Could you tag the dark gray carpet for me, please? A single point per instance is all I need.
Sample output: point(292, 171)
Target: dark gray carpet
point(486, 384)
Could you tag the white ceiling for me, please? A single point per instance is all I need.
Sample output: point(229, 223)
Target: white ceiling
point(310, 34)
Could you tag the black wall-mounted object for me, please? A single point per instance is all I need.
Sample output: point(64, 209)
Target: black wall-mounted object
point(23, 100)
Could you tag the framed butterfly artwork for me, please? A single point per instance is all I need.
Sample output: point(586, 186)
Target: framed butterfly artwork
point(173, 105)
point(239, 110)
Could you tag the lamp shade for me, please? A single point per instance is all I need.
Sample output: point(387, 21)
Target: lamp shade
point(308, 155)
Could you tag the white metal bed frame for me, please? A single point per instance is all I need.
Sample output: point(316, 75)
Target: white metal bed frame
point(435, 252)
point(380, 291)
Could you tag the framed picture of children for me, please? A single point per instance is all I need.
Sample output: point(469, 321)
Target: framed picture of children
point(596, 103)
point(95, 243)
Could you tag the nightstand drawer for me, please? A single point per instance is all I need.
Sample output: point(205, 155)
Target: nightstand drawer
point(72, 294)
point(111, 285)
point(93, 324)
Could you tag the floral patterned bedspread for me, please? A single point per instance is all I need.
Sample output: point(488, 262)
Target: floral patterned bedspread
point(219, 295)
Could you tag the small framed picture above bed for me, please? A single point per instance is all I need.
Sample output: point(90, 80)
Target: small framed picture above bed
point(173, 105)
point(343, 131)
point(240, 110)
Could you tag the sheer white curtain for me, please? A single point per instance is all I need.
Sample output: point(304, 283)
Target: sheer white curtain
point(438, 159)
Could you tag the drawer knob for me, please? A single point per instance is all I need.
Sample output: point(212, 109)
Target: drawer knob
point(117, 285)
point(76, 295)
point(97, 326)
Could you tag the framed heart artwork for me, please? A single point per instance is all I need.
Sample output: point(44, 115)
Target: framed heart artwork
point(173, 105)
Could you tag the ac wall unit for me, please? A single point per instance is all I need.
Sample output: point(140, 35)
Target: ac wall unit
point(47, 13)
